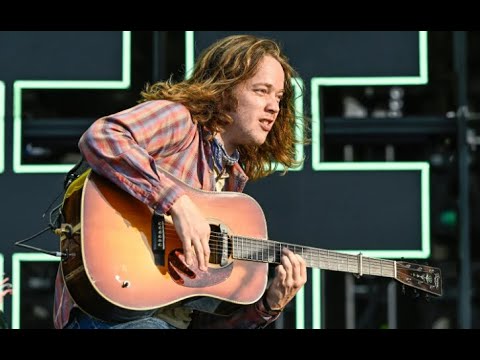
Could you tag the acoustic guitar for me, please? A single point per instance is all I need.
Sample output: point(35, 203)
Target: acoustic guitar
point(122, 261)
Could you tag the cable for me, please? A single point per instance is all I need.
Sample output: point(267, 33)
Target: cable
point(55, 224)
point(50, 205)
point(53, 253)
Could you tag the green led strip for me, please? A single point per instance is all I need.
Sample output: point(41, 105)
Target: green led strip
point(424, 169)
point(300, 308)
point(2, 126)
point(317, 82)
point(189, 53)
point(17, 258)
point(317, 165)
point(316, 299)
point(20, 85)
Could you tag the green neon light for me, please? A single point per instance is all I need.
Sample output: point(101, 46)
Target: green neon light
point(316, 299)
point(189, 53)
point(317, 82)
point(424, 168)
point(2, 126)
point(299, 129)
point(317, 164)
point(17, 258)
point(20, 85)
point(1, 278)
point(300, 309)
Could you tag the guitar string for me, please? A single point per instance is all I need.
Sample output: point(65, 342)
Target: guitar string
point(253, 246)
point(375, 266)
point(256, 242)
point(337, 261)
point(379, 267)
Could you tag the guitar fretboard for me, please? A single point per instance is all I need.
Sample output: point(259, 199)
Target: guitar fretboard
point(271, 251)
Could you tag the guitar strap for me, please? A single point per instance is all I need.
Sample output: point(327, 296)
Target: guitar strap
point(78, 169)
point(56, 215)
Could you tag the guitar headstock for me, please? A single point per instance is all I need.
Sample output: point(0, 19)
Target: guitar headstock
point(422, 277)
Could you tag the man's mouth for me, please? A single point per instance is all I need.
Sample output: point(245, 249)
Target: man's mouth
point(266, 124)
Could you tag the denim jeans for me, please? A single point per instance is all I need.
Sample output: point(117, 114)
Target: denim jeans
point(80, 320)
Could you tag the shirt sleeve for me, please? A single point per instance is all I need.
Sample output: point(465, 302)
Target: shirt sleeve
point(123, 147)
point(253, 316)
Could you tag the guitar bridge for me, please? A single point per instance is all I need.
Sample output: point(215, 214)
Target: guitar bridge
point(158, 238)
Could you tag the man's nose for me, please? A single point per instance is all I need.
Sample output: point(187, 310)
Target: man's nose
point(273, 106)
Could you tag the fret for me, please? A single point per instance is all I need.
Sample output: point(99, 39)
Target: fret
point(271, 251)
point(342, 263)
point(339, 262)
point(242, 251)
point(246, 250)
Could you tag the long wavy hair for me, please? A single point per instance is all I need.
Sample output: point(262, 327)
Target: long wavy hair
point(208, 95)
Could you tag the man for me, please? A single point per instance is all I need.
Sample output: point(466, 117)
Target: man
point(5, 289)
point(229, 122)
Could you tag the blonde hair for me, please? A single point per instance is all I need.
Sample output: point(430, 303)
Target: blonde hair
point(208, 95)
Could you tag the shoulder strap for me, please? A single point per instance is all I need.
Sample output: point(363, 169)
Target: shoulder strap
point(79, 168)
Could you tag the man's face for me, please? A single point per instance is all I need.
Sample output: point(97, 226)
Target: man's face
point(258, 106)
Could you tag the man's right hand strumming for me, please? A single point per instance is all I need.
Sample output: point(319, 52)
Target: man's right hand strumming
point(193, 230)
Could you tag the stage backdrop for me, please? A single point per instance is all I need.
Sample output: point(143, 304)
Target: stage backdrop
point(380, 209)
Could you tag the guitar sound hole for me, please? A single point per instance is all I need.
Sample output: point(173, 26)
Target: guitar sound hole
point(217, 243)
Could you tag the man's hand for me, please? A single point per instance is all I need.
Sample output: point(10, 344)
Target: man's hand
point(5, 288)
point(193, 230)
point(289, 278)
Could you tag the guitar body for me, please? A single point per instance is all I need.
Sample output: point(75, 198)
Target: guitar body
point(112, 272)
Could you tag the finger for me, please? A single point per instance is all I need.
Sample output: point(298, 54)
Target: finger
point(188, 250)
point(288, 257)
point(280, 273)
point(295, 265)
point(205, 245)
point(206, 250)
point(6, 286)
point(197, 244)
point(288, 270)
point(5, 292)
point(303, 268)
point(4, 280)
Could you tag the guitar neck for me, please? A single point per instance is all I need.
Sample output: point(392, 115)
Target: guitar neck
point(270, 251)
